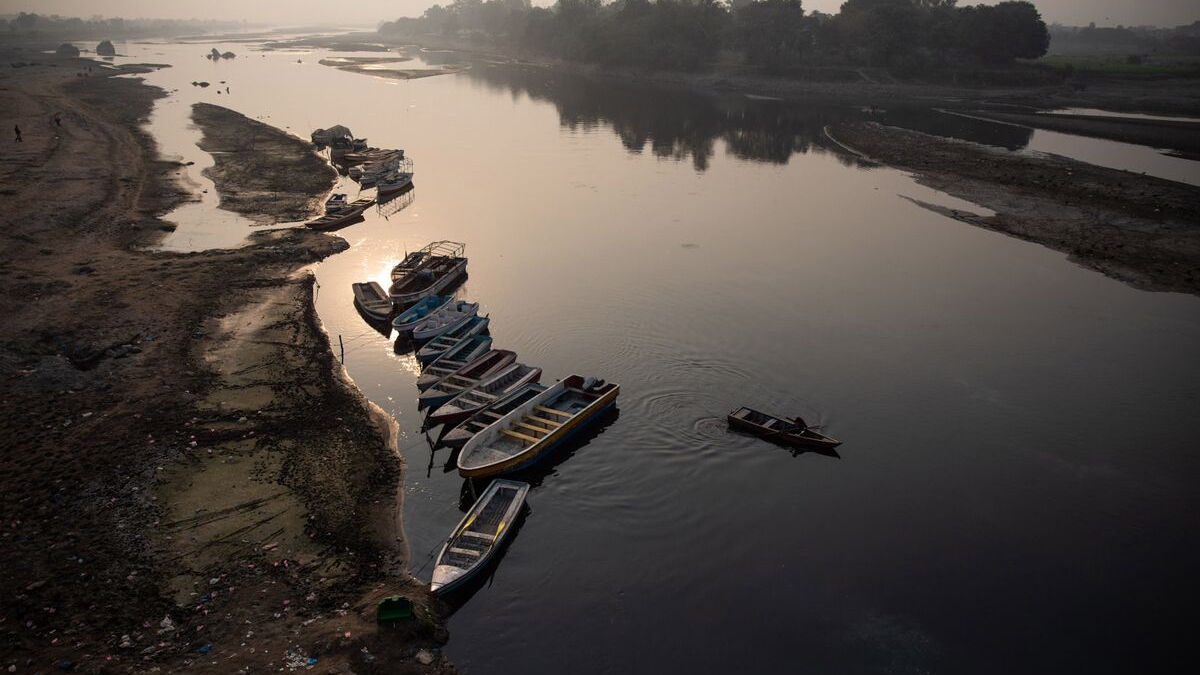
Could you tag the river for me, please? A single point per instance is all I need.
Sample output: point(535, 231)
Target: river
point(1016, 486)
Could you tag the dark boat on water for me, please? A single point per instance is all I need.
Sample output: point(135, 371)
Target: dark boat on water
point(779, 429)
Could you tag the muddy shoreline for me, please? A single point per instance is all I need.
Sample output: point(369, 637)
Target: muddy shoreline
point(1136, 228)
point(188, 480)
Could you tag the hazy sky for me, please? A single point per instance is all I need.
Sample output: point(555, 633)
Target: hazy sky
point(1103, 12)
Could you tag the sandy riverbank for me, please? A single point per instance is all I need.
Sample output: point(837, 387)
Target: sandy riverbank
point(188, 481)
point(1140, 229)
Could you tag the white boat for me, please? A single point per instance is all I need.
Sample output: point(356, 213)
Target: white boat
point(531, 431)
point(459, 435)
point(428, 272)
point(478, 535)
point(371, 299)
point(488, 391)
point(448, 318)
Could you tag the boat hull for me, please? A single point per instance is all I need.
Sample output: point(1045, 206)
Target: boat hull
point(448, 577)
point(820, 441)
point(434, 288)
point(545, 446)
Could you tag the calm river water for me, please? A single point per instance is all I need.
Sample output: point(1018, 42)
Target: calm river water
point(1016, 491)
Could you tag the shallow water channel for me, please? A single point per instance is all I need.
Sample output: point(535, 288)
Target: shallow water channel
point(1017, 480)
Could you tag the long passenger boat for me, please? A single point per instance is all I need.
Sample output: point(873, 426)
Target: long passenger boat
point(467, 377)
point(532, 430)
point(474, 399)
point(478, 535)
point(428, 272)
point(459, 435)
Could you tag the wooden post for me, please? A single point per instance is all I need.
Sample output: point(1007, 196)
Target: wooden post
point(343, 346)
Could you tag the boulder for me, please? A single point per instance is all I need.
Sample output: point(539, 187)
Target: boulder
point(67, 49)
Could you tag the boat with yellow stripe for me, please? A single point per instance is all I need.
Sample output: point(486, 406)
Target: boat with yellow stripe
point(478, 535)
point(530, 431)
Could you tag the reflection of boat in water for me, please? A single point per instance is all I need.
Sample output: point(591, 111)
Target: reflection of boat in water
point(478, 535)
point(390, 205)
point(473, 399)
point(479, 421)
point(371, 299)
point(529, 432)
point(428, 271)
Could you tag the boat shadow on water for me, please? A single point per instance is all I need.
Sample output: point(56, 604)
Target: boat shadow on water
point(390, 205)
point(381, 326)
point(794, 450)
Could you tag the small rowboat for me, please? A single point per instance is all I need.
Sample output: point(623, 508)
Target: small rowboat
point(467, 377)
point(476, 423)
point(478, 535)
point(476, 398)
point(372, 300)
point(342, 216)
point(336, 202)
point(414, 315)
point(393, 183)
point(454, 358)
point(780, 430)
point(444, 320)
point(437, 346)
point(530, 431)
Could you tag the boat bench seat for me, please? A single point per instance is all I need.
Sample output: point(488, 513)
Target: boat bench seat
point(478, 535)
point(464, 551)
point(543, 420)
point(551, 411)
point(531, 427)
point(523, 437)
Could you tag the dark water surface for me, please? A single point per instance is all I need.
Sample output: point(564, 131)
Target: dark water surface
point(1016, 488)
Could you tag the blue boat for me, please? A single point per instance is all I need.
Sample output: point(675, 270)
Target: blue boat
point(410, 317)
point(478, 325)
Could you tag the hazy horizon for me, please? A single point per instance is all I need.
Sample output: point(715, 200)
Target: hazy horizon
point(1074, 12)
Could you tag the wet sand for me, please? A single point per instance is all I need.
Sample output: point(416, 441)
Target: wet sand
point(188, 480)
point(1139, 229)
point(1181, 138)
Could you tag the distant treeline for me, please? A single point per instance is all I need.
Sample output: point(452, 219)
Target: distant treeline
point(1146, 40)
point(906, 35)
point(26, 23)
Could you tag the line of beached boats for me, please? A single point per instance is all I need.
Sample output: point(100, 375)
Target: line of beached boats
point(389, 171)
point(487, 404)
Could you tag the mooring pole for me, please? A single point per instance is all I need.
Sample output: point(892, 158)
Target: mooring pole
point(343, 346)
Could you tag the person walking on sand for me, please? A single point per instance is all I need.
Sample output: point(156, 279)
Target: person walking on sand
point(17, 129)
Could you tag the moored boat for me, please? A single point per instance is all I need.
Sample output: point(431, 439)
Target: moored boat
point(781, 430)
point(414, 315)
point(336, 202)
point(467, 377)
point(454, 358)
point(529, 432)
point(393, 183)
point(478, 535)
point(371, 299)
point(431, 270)
point(474, 399)
point(341, 216)
point(430, 351)
point(457, 436)
point(444, 320)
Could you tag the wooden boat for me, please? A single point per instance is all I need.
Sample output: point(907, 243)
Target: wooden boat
point(372, 300)
point(478, 535)
point(433, 269)
point(414, 315)
point(457, 436)
point(336, 202)
point(363, 155)
point(437, 346)
point(780, 430)
point(467, 377)
point(454, 358)
point(488, 391)
point(530, 431)
point(341, 217)
point(446, 319)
